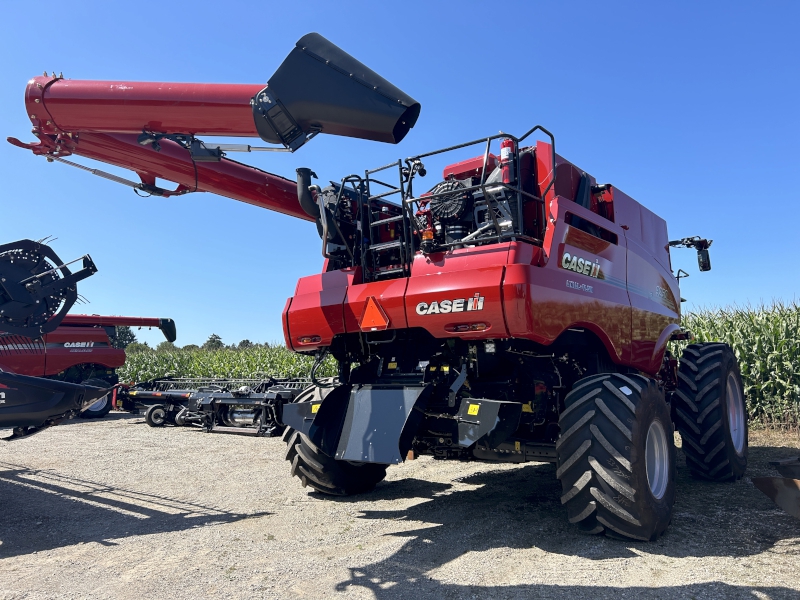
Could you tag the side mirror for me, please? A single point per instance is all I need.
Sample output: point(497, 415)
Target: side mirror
point(701, 245)
point(703, 259)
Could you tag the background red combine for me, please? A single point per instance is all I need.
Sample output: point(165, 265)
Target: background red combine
point(80, 350)
point(37, 289)
point(517, 310)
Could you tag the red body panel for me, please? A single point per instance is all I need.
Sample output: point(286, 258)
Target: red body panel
point(388, 294)
point(653, 291)
point(618, 286)
point(472, 167)
point(63, 348)
point(68, 346)
point(80, 339)
point(22, 355)
point(316, 309)
point(564, 298)
point(459, 275)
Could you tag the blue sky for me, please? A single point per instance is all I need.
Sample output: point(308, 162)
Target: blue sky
point(689, 107)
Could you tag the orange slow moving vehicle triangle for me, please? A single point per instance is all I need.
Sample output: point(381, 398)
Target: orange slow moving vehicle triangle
point(373, 319)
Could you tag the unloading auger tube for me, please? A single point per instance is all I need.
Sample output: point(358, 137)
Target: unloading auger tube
point(155, 129)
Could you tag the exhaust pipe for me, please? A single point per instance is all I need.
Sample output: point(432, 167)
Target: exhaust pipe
point(304, 193)
point(319, 88)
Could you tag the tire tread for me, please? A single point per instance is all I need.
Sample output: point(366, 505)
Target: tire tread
point(700, 391)
point(596, 459)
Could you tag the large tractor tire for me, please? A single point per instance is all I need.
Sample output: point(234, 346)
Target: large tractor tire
point(710, 412)
point(101, 408)
point(328, 475)
point(616, 457)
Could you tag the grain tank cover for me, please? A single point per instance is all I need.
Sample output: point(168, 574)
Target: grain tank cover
point(319, 88)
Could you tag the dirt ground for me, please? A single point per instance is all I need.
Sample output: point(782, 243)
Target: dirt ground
point(116, 509)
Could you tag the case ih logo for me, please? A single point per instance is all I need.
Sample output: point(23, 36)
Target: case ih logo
point(78, 344)
point(580, 265)
point(451, 306)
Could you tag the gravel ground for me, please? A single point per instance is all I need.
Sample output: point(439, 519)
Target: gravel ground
point(116, 509)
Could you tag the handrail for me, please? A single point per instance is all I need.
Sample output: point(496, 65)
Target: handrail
point(411, 228)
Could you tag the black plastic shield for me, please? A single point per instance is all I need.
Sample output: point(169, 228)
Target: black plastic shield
point(363, 423)
point(380, 423)
point(321, 88)
point(32, 401)
point(493, 420)
point(167, 327)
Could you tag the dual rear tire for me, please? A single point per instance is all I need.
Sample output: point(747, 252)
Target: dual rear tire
point(616, 453)
point(709, 410)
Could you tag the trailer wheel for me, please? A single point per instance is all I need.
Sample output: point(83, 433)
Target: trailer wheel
point(710, 412)
point(102, 406)
point(328, 475)
point(156, 415)
point(616, 457)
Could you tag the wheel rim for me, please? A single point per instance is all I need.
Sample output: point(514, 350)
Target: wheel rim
point(99, 405)
point(657, 460)
point(735, 412)
point(158, 416)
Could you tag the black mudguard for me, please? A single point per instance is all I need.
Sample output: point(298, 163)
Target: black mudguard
point(33, 401)
point(362, 423)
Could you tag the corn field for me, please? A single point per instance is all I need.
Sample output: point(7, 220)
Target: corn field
point(765, 339)
point(227, 363)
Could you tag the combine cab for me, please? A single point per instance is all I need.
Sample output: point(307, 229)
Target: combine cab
point(515, 310)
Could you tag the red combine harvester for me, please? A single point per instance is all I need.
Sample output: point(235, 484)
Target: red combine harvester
point(517, 310)
point(36, 290)
point(80, 350)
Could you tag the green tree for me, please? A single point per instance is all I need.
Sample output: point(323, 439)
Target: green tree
point(166, 346)
point(191, 347)
point(135, 347)
point(245, 344)
point(124, 338)
point(214, 342)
